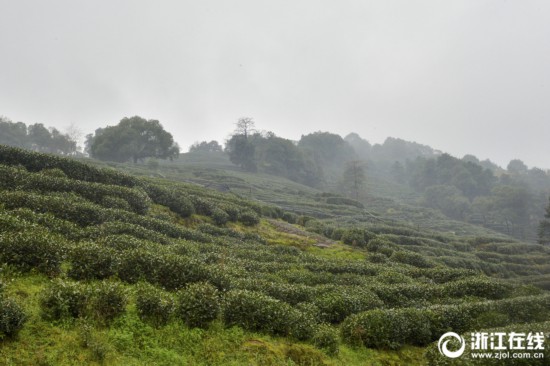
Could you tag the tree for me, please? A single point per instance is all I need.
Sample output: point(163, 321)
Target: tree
point(245, 127)
point(354, 176)
point(212, 146)
point(544, 227)
point(240, 149)
point(133, 139)
point(517, 166)
point(241, 152)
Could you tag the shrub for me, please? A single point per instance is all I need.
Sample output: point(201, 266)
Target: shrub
point(232, 211)
point(198, 304)
point(124, 242)
point(115, 202)
point(414, 259)
point(174, 272)
point(35, 162)
point(12, 317)
point(138, 264)
point(127, 198)
point(172, 198)
point(154, 306)
point(91, 261)
point(54, 172)
point(63, 299)
point(33, 248)
point(357, 237)
point(219, 216)
point(117, 227)
point(326, 338)
point(337, 304)
point(249, 218)
point(290, 217)
point(202, 205)
point(344, 201)
point(477, 286)
point(389, 329)
point(49, 221)
point(108, 300)
point(257, 312)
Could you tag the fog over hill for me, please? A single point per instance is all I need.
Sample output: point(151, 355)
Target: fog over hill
point(463, 77)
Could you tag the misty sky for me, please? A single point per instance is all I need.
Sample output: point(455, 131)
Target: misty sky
point(462, 76)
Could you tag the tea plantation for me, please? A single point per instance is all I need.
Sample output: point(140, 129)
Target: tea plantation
point(105, 267)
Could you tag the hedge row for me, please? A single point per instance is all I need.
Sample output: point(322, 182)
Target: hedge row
point(258, 312)
point(85, 213)
point(15, 178)
point(392, 328)
point(173, 198)
point(104, 301)
point(35, 162)
point(33, 247)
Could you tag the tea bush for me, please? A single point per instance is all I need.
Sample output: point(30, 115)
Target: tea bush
point(108, 300)
point(249, 217)
point(35, 162)
point(175, 200)
point(411, 258)
point(134, 198)
point(198, 304)
point(153, 305)
point(257, 312)
point(63, 299)
point(117, 227)
point(91, 261)
point(388, 329)
point(357, 237)
point(337, 304)
point(12, 317)
point(326, 338)
point(219, 216)
point(33, 248)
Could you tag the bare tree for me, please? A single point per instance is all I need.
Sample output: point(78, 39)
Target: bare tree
point(245, 126)
point(354, 176)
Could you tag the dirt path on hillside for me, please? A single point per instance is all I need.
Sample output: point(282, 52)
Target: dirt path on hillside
point(285, 227)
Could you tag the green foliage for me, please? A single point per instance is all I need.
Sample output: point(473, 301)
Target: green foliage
point(357, 237)
point(35, 162)
point(12, 317)
point(203, 146)
point(249, 217)
point(255, 311)
point(198, 304)
point(478, 286)
point(335, 305)
point(219, 216)
point(63, 299)
point(153, 305)
point(241, 152)
point(91, 261)
point(326, 338)
point(36, 137)
point(33, 248)
point(414, 259)
point(112, 195)
point(108, 300)
point(174, 199)
point(390, 329)
point(133, 138)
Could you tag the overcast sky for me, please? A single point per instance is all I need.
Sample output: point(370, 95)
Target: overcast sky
point(462, 76)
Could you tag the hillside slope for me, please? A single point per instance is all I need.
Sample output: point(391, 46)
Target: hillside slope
point(101, 267)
